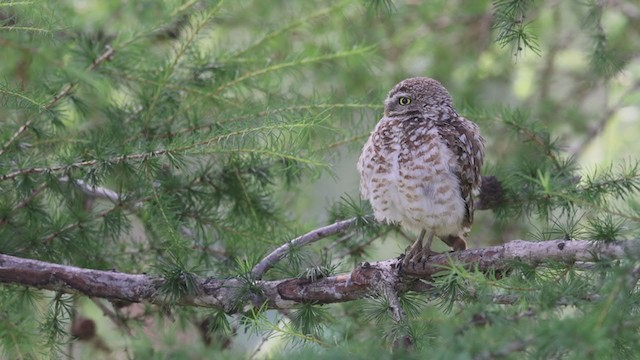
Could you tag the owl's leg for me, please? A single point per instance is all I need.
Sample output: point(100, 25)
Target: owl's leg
point(427, 249)
point(416, 248)
point(418, 253)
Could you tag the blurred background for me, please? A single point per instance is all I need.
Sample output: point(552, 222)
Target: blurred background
point(553, 85)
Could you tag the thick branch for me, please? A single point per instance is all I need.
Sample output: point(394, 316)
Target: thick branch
point(231, 294)
point(534, 253)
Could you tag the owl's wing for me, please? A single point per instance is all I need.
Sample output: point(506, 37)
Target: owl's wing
point(463, 138)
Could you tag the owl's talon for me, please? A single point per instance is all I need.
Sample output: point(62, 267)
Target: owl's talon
point(421, 257)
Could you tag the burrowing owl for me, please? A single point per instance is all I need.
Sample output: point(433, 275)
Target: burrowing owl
point(421, 165)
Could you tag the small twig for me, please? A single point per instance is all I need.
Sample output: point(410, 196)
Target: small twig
point(308, 238)
point(263, 341)
point(95, 191)
point(30, 198)
point(105, 56)
point(64, 92)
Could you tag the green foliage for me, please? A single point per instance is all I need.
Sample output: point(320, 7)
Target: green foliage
point(513, 28)
point(450, 286)
point(56, 320)
point(225, 129)
point(178, 281)
point(309, 319)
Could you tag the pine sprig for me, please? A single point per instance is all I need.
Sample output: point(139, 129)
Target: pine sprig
point(302, 60)
point(513, 30)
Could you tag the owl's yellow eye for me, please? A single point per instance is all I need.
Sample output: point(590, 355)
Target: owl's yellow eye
point(404, 100)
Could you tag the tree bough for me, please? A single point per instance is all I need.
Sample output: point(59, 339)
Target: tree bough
point(231, 294)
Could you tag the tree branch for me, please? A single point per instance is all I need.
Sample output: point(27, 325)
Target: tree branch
point(231, 294)
point(98, 192)
point(308, 238)
point(534, 253)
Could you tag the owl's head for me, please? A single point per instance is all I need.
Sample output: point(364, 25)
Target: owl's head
point(415, 96)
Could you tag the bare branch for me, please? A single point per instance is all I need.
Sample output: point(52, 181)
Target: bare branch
point(95, 191)
point(308, 238)
point(231, 294)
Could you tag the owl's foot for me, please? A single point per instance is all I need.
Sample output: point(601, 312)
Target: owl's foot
point(419, 257)
point(417, 253)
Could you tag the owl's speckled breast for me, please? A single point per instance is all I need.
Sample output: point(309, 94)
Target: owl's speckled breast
point(408, 174)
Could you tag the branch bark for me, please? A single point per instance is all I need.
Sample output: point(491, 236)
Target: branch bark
point(233, 293)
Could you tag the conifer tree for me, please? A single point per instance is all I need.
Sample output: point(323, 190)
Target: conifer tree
point(177, 180)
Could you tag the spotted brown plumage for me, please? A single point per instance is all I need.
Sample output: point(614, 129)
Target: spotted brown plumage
point(421, 165)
